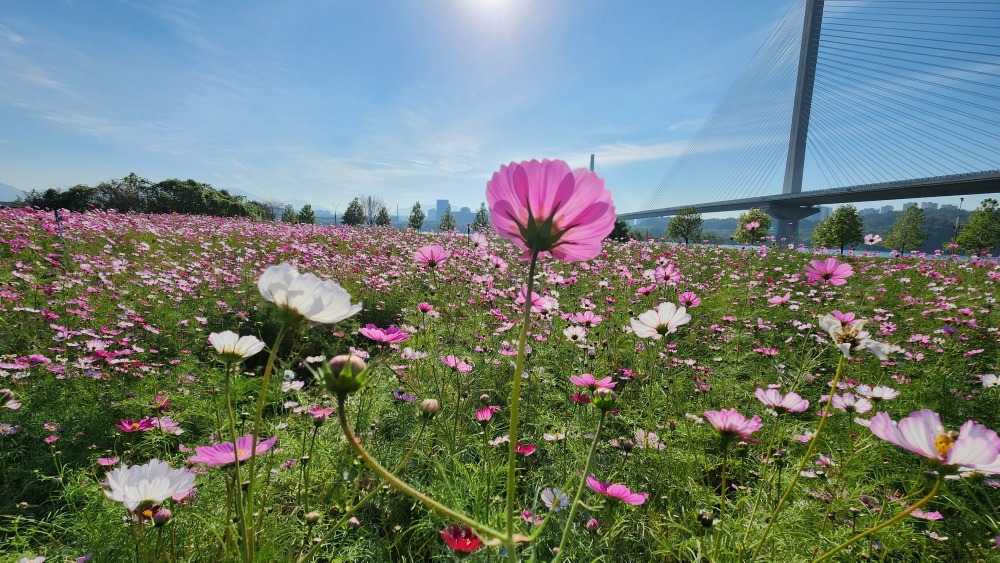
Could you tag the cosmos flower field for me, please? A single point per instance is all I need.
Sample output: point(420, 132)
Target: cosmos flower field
point(695, 449)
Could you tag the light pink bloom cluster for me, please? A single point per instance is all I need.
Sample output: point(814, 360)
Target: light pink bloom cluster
point(546, 207)
point(791, 402)
point(731, 424)
point(974, 448)
point(616, 491)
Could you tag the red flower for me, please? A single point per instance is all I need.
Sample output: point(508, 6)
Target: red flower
point(461, 539)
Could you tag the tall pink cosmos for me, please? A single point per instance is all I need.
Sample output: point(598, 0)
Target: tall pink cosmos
point(618, 491)
point(731, 424)
point(432, 255)
point(546, 207)
point(791, 402)
point(225, 453)
point(389, 335)
point(830, 271)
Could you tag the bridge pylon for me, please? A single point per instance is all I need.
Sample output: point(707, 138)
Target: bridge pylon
point(786, 219)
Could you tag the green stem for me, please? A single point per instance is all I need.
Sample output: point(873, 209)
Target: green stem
point(238, 484)
point(265, 382)
point(889, 522)
point(805, 458)
point(515, 400)
point(722, 501)
point(364, 500)
point(579, 489)
point(398, 483)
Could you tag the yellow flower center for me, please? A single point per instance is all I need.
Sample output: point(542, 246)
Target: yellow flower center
point(135, 425)
point(241, 453)
point(943, 443)
point(148, 513)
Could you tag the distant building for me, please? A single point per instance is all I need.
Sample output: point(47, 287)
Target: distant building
point(432, 214)
point(949, 206)
point(825, 211)
point(928, 205)
point(868, 211)
point(465, 216)
point(885, 209)
point(909, 204)
point(442, 206)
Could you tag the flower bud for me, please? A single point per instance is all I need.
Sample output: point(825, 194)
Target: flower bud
point(484, 398)
point(344, 374)
point(161, 517)
point(429, 408)
point(605, 399)
point(313, 517)
point(354, 522)
point(706, 518)
point(592, 525)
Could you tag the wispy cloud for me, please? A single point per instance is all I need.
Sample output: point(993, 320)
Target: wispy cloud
point(6, 33)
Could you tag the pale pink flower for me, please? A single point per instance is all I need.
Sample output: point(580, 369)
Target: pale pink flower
point(776, 300)
point(389, 335)
point(234, 348)
point(458, 364)
point(878, 393)
point(850, 337)
point(973, 448)
point(791, 402)
point(616, 491)
point(305, 295)
point(731, 424)
point(688, 299)
point(432, 255)
point(849, 403)
point(830, 271)
point(546, 207)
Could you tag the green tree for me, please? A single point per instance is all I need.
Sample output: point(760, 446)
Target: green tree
point(354, 215)
point(620, 232)
point(842, 227)
point(482, 221)
point(685, 226)
point(288, 214)
point(306, 215)
point(447, 222)
point(383, 219)
point(983, 229)
point(908, 231)
point(752, 226)
point(416, 220)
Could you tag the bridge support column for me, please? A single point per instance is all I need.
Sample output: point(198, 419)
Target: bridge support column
point(786, 218)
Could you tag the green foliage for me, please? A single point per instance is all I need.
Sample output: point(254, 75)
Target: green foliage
point(354, 215)
point(908, 231)
point(306, 215)
point(383, 219)
point(620, 232)
point(288, 214)
point(841, 228)
point(983, 229)
point(482, 223)
point(685, 226)
point(133, 194)
point(447, 222)
point(758, 220)
point(416, 220)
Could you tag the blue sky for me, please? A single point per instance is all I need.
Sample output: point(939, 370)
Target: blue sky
point(322, 101)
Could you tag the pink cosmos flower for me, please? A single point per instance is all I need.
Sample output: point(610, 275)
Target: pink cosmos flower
point(871, 240)
point(586, 318)
point(454, 362)
point(425, 307)
point(732, 424)
point(776, 300)
point(7, 400)
point(974, 448)
point(485, 414)
point(320, 414)
point(590, 382)
point(389, 335)
point(130, 425)
point(830, 271)
point(791, 402)
point(688, 299)
point(432, 255)
point(752, 225)
point(849, 403)
point(225, 453)
point(546, 207)
point(168, 425)
point(524, 449)
point(614, 490)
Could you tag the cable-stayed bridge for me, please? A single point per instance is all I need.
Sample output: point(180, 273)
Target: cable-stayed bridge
point(855, 100)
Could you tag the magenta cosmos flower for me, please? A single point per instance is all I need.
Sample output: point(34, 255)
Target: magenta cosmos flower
point(973, 448)
point(432, 255)
point(389, 335)
point(791, 402)
point(225, 454)
point(615, 490)
point(732, 424)
point(830, 271)
point(546, 207)
point(590, 382)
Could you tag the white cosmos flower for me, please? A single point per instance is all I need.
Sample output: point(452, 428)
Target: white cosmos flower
point(664, 319)
point(153, 483)
point(990, 380)
point(305, 295)
point(575, 334)
point(232, 347)
point(850, 337)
